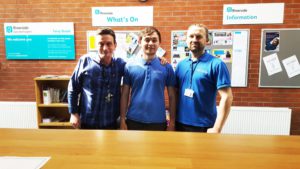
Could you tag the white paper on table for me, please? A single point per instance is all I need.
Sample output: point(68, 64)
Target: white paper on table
point(8, 162)
point(291, 66)
point(272, 64)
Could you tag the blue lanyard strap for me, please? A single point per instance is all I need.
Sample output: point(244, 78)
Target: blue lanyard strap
point(192, 71)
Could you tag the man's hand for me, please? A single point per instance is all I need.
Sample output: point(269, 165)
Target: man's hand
point(171, 127)
point(163, 60)
point(75, 120)
point(123, 125)
point(213, 130)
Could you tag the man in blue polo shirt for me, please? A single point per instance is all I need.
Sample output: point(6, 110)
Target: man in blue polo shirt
point(199, 79)
point(147, 79)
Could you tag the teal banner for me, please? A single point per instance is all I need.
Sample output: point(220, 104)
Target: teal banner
point(39, 41)
point(42, 47)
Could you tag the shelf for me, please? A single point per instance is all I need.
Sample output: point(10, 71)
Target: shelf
point(58, 112)
point(56, 124)
point(63, 78)
point(54, 105)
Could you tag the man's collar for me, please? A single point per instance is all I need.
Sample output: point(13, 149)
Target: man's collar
point(204, 57)
point(148, 62)
point(96, 58)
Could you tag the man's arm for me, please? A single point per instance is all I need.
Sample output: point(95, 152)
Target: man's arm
point(223, 111)
point(74, 89)
point(73, 103)
point(124, 106)
point(172, 108)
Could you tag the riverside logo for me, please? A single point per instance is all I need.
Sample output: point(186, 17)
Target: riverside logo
point(230, 9)
point(98, 12)
point(16, 29)
point(231, 16)
point(9, 29)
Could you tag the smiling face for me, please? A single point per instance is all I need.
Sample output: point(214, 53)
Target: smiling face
point(150, 44)
point(196, 39)
point(106, 46)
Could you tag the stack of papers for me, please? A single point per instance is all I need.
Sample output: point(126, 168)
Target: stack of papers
point(8, 162)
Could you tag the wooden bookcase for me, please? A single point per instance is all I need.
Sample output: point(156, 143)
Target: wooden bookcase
point(57, 111)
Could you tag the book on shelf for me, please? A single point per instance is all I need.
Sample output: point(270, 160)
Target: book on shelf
point(47, 97)
point(54, 119)
point(55, 95)
point(63, 96)
point(48, 119)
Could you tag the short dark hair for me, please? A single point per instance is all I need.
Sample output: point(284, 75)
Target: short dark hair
point(107, 31)
point(149, 31)
point(201, 26)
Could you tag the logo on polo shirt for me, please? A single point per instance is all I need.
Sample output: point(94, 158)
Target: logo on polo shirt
point(199, 70)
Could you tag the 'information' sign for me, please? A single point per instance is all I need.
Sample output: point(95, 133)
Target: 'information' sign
point(264, 13)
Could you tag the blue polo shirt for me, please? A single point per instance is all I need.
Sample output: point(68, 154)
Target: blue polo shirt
point(147, 82)
point(204, 76)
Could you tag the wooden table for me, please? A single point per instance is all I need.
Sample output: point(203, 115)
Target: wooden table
point(91, 149)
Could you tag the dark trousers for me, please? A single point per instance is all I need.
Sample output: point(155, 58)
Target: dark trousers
point(108, 127)
point(184, 127)
point(134, 125)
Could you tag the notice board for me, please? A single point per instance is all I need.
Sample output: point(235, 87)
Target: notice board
point(279, 58)
point(230, 45)
point(127, 45)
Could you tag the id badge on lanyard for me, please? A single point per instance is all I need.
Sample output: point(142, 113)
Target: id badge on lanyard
point(189, 93)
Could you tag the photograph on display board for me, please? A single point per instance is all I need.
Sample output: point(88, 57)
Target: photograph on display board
point(272, 41)
point(179, 47)
point(210, 39)
point(222, 38)
point(132, 42)
point(224, 54)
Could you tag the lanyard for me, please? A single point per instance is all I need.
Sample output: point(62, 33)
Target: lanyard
point(192, 72)
point(106, 72)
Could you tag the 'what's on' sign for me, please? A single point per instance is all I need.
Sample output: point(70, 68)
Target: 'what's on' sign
point(122, 16)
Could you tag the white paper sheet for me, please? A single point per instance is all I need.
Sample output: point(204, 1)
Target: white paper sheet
point(272, 64)
point(291, 66)
point(8, 162)
point(160, 52)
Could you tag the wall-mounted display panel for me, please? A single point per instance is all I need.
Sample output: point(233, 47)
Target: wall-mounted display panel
point(279, 58)
point(40, 41)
